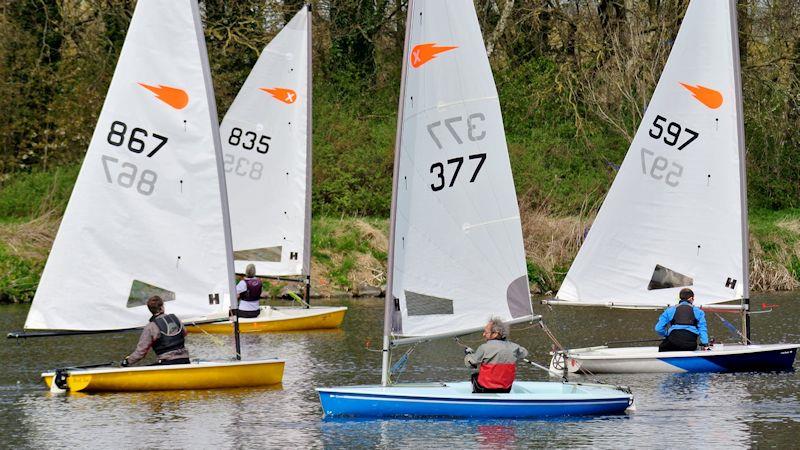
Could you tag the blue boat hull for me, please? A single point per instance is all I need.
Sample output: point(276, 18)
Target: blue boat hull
point(377, 402)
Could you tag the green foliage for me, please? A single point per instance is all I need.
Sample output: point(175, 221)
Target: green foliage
point(24, 196)
point(353, 148)
point(18, 277)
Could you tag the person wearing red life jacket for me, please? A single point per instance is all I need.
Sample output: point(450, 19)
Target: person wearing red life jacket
point(496, 359)
point(249, 292)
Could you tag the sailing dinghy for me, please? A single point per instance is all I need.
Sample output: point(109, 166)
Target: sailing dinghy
point(266, 139)
point(148, 214)
point(676, 214)
point(456, 254)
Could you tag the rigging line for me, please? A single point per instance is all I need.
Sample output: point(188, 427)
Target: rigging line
point(214, 339)
point(562, 350)
point(551, 336)
point(732, 328)
point(400, 366)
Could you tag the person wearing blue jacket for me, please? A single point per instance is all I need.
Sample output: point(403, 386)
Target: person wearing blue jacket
point(680, 325)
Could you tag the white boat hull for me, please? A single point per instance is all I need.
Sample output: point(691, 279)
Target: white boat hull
point(721, 358)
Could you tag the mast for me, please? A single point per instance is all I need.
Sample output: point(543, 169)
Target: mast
point(226, 220)
point(389, 305)
point(309, 141)
point(737, 92)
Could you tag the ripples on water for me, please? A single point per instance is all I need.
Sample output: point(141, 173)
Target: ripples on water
point(683, 410)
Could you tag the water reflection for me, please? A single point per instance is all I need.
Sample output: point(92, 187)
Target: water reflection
point(701, 410)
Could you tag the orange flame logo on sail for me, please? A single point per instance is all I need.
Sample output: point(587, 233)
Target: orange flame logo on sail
point(706, 96)
point(423, 53)
point(287, 96)
point(177, 98)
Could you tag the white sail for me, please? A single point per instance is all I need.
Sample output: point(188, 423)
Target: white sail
point(267, 154)
point(146, 214)
point(458, 250)
point(673, 217)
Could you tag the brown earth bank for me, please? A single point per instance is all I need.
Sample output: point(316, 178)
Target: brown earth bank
point(349, 253)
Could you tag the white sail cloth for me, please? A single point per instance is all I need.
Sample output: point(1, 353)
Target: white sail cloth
point(265, 140)
point(673, 217)
point(458, 250)
point(145, 216)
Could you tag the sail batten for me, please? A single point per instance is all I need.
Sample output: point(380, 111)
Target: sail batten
point(266, 138)
point(673, 218)
point(456, 253)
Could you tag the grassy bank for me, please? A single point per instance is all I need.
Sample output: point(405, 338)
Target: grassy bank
point(349, 253)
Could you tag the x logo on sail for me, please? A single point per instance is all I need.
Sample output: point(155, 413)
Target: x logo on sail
point(423, 53)
point(706, 96)
point(174, 97)
point(287, 96)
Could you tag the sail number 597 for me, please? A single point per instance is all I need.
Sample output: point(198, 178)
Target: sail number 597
point(655, 168)
point(673, 132)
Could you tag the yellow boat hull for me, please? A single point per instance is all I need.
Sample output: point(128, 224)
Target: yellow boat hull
point(278, 319)
point(202, 375)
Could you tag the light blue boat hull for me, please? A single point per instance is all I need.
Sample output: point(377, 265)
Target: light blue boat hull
point(528, 400)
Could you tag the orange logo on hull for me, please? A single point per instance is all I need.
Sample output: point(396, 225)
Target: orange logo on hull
point(177, 98)
point(287, 96)
point(706, 96)
point(423, 53)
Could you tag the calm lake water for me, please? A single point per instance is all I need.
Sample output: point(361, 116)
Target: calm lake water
point(687, 411)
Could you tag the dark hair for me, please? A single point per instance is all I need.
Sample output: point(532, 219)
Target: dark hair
point(155, 304)
point(686, 294)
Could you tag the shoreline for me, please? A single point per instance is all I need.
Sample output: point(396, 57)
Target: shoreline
point(349, 253)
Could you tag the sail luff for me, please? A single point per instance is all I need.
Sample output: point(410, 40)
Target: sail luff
point(223, 190)
point(309, 143)
point(737, 81)
point(389, 299)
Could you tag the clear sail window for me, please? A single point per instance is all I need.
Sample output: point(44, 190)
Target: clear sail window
point(427, 305)
point(664, 278)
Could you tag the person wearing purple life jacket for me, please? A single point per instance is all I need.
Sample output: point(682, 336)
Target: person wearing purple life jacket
point(249, 292)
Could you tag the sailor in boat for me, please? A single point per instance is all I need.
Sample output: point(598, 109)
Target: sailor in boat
point(164, 334)
point(249, 291)
point(496, 359)
point(680, 325)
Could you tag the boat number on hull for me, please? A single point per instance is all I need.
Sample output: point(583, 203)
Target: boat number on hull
point(655, 168)
point(474, 133)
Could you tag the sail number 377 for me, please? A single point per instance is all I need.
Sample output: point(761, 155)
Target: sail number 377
point(474, 133)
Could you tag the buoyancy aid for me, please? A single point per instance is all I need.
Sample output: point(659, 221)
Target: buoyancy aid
point(171, 333)
point(253, 292)
point(684, 315)
point(497, 376)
